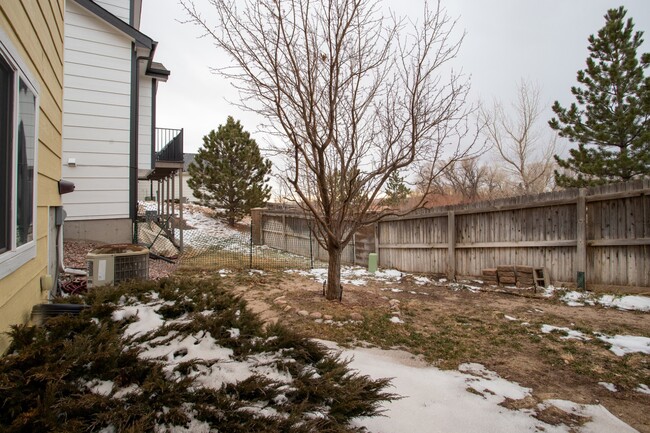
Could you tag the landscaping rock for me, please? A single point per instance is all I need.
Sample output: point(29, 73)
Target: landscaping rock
point(327, 317)
point(303, 313)
point(356, 316)
point(316, 315)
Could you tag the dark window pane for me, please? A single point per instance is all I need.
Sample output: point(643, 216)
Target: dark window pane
point(6, 171)
point(26, 148)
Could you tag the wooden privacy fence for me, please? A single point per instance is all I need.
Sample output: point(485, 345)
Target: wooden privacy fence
point(289, 230)
point(601, 234)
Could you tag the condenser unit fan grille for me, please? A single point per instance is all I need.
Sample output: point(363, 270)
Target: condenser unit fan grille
point(131, 267)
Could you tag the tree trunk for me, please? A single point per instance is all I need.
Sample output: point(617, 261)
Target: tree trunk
point(333, 291)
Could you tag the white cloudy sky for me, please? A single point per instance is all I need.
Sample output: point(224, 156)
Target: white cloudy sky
point(506, 40)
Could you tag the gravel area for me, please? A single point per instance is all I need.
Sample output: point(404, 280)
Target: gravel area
point(74, 256)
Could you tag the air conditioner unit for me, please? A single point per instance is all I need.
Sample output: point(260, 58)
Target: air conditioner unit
point(112, 264)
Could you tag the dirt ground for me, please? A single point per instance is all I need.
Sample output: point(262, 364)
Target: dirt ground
point(448, 325)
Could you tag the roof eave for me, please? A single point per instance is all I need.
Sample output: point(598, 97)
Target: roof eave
point(138, 37)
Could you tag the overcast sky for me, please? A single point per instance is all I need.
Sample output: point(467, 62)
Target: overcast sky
point(544, 42)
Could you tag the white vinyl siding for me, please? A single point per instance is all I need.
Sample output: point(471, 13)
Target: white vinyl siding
point(144, 127)
point(119, 8)
point(96, 118)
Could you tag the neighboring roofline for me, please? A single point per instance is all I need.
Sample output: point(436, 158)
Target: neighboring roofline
point(138, 37)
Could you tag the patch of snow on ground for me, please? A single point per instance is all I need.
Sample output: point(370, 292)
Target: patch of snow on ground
point(396, 319)
point(624, 344)
point(620, 344)
point(421, 280)
point(512, 319)
point(389, 274)
point(602, 421)
point(352, 275)
point(205, 227)
point(457, 286)
point(643, 388)
point(634, 303)
point(575, 298)
point(490, 383)
point(570, 333)
point(433, 394)
point(608, 386)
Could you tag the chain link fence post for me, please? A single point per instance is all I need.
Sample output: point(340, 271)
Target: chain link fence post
point(250, 250)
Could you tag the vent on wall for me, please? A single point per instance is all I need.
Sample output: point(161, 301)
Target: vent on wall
point(112, 264)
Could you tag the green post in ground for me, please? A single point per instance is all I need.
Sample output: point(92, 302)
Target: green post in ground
point(372, 262)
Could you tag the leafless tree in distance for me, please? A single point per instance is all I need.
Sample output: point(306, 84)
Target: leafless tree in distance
point(352, 95)
point(469, 179)
point(520, 142)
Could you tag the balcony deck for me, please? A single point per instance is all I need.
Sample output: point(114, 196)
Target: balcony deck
point(167, 157)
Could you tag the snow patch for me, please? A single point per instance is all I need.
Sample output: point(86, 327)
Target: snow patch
point(608, 386)
point(570, 333)
point(643, 388)
point(624, 344)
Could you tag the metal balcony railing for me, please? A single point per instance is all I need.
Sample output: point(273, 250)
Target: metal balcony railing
point(168, 145)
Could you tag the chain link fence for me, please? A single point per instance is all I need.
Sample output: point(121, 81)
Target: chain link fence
point(235, 251)
point(211, 246)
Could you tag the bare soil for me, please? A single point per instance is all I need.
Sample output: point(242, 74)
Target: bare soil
point(448, 325)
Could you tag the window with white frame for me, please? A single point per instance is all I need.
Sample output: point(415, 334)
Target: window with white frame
point(18, 151)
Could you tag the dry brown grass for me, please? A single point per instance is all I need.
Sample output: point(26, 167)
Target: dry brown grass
point(448, 327)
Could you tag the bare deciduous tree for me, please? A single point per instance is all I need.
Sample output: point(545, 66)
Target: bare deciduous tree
point(519, 141)
point(352, 95)
point(469, 179)
point(466, 177)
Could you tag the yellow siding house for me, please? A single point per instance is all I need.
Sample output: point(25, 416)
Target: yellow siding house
point(31, 105)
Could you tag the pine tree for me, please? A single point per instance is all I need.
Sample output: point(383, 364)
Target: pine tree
point(612, 125)
point(396, 190)
point(229, 171)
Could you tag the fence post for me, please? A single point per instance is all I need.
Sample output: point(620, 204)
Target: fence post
point(284, 231)
point(250, 249)
point(451, 245)
point(257, 225)
point(581, 244)
point(311, 248)
point(377, 242)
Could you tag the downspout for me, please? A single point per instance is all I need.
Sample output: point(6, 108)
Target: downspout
point(154, 91)
point(135, 123)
